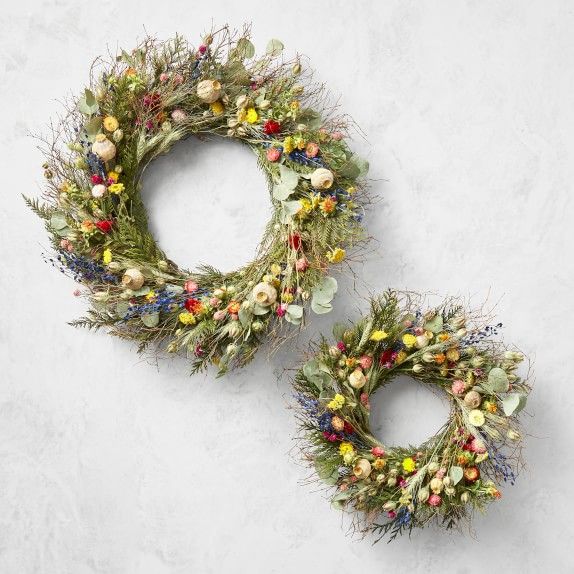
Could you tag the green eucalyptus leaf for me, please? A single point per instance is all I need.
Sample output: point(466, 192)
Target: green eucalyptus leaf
point(435, 324)
point(175, 289)
point(58, 221)
point(456, 473)
point(320, 308)
point(311, 368)
point(497, 380)
point(87, 103)
point(311, 118)
point(150, 320)
point(294, 314)
point(122, 308)
point(281, 191)
point(245, 49)
point(142, 291)
point(274, 47)
point(315, 373)
point(350, 170)
point(362, 165)
point(92, 127)
point(513, 403)
point(289, 178)
point(324, 292)
point(245, 316)
point(291, 207)
point(259, 309)
point(62, 232)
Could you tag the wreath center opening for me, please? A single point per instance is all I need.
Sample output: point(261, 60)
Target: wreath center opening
point(207, 202)
point(406, 412)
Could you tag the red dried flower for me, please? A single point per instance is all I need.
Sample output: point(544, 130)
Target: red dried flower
point(96, 179)
point(386, 357)
point(271, 127)
point(152, 101)
point(294, 241)
point(105, 226)
point(193, 305)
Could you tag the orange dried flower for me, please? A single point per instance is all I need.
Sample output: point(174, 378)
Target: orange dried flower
point(439, 359)
point(234, 307)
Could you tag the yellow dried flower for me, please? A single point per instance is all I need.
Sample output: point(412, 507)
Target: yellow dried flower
point(218, 108)
point(111, 124)
point(336, 255)
point(346, 448)
point(409, 340)
point(113, 175)
point(401, 357)
point(187, 318)
point(116, 188)
point(252, 115)
point(409, 464)
point(378, 335)
point(107, 256)
point(288, 144)
point(336, 402)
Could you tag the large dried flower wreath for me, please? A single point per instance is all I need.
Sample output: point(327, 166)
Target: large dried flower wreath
point(136, 108)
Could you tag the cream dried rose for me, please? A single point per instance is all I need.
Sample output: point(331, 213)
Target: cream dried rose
point(104, 148)
point(208, 91)
point(133, 279)
point(357, 379)
point(264, 294)
point(472, 399)
point(322, 178)
point(99, 190)
point(362, 468)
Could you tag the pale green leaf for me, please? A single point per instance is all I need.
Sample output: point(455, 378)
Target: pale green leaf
point(274, 47)
point(513, 403)
point(497, 380)
point(281, 191)
point(289, 178)
point(456, 473)
point(150, 320)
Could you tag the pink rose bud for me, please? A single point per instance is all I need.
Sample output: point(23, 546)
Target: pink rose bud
point(312, 149)
point(434, 500)
point(365, 361)
point(378, 451)
point(190, 286)
point(301, 264)
point(163, 77)
point(273, 154)
point(337, 136)
point(202, 49)
point(458, 387)
point(214, 301)
point(219, 315)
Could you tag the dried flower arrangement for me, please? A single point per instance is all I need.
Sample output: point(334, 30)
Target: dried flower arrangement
point(457, 470)
point(137, 107)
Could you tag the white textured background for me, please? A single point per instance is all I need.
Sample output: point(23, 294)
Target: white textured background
point(109, 464)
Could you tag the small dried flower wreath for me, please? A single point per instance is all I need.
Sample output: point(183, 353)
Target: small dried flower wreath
point(457, 470)
point(137, 108)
